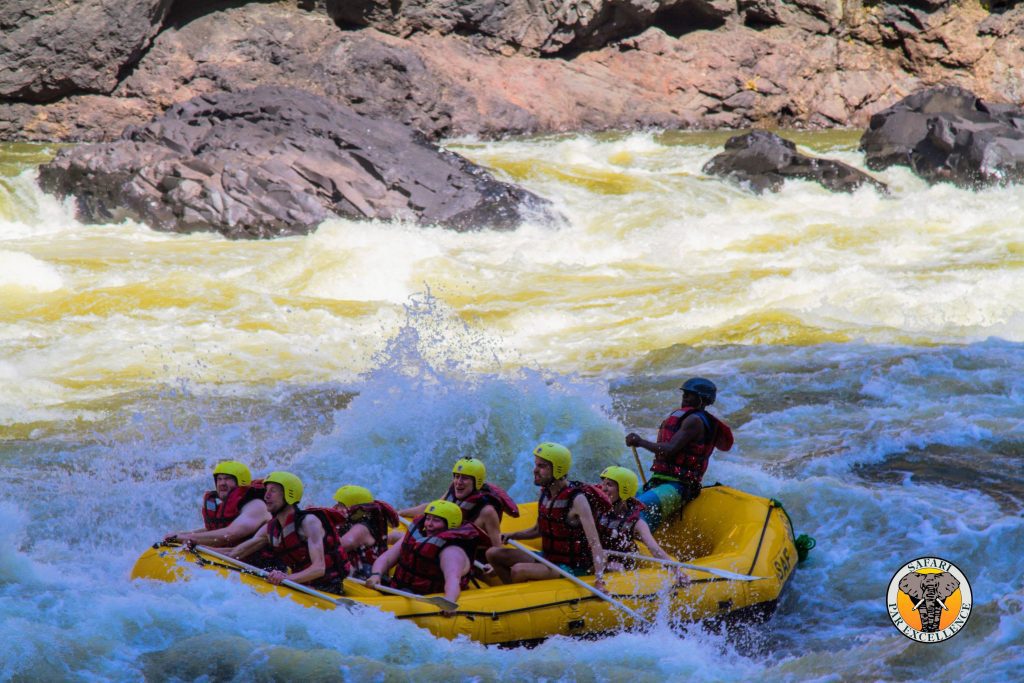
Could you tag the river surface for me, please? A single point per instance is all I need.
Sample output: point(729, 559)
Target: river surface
point(869, 353)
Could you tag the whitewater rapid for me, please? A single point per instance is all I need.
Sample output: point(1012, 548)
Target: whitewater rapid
point(869, 353)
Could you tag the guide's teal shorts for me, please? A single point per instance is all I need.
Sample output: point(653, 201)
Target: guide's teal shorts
point(665, 498)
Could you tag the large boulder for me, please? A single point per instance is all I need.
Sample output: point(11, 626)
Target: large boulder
point(53, 48)
point(376, 74)
point(949, 134)
point(277, 161)
point(762, 161)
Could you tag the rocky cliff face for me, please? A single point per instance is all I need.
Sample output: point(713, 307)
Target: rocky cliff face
point(84, 70)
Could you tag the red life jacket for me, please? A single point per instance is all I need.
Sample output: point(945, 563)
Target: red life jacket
point(287, 548)
point(564, 542)
point(376, 516)
point(218, 514)
point(691, 464)
point(488, 494)
point(616, 528)
point(419, 562)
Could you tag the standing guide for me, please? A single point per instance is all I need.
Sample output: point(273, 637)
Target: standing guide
point(685, 442)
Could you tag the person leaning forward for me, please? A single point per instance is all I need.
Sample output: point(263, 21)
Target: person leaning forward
point(565, 525)
point(301, 545)
point(685, 442)
point(232, 512)
point(364, 531)
point(435, 554)
point(482, 502)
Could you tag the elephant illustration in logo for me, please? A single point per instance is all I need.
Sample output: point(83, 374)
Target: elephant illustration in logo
point(929, 591)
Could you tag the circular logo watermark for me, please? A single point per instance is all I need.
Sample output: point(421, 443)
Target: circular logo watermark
point(929, 600)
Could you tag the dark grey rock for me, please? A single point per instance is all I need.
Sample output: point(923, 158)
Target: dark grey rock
point(949, 134)
point(538, 28)
point(277, 161)
point(763, 161)
point(816, 16)
point(53, 48)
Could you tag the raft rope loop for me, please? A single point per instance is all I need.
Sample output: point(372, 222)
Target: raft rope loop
point(803, 542)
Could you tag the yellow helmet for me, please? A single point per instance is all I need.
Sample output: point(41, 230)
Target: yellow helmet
point(235, 469)
point(448, 511)
point(291, 484)
point(471, 467)
point(556, 454)
point(353, 495)
point(625, 478)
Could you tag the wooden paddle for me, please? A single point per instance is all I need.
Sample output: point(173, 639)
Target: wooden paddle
point(639, 466)
point(710, 570)
point(582, 584)
point(256, 571)
point(443, 603)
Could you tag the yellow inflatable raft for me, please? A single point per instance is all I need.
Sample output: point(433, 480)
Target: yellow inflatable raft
point(724, 530)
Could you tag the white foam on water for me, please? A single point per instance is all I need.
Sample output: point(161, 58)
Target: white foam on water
point(379, 353)
point(20, 271)
point(653, 253)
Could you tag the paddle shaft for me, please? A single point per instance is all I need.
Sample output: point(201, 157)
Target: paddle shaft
point(639, 466)
point(263, 575)
point(582, 584)
point(443, 603)
point(671, 563)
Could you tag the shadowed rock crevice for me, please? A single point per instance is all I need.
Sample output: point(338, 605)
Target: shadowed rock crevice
point(277, 161)
point(185, 11)
point(681, 18)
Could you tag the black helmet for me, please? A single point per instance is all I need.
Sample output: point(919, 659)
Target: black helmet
point(704, 388)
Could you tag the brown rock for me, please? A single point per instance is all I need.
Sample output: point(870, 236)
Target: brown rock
point(696, 65)
point(50, 49)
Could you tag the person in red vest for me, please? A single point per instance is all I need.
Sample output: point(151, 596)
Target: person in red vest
point(434, 556)
point(686, 439)
point(622, 525)
point(232, 512)
point(301, 545)
point(482, 502)
point(565, 524)
point(364, 532)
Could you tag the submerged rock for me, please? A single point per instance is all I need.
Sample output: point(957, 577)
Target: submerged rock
point(949, 134)
point(763, 161)
point(278, 161)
